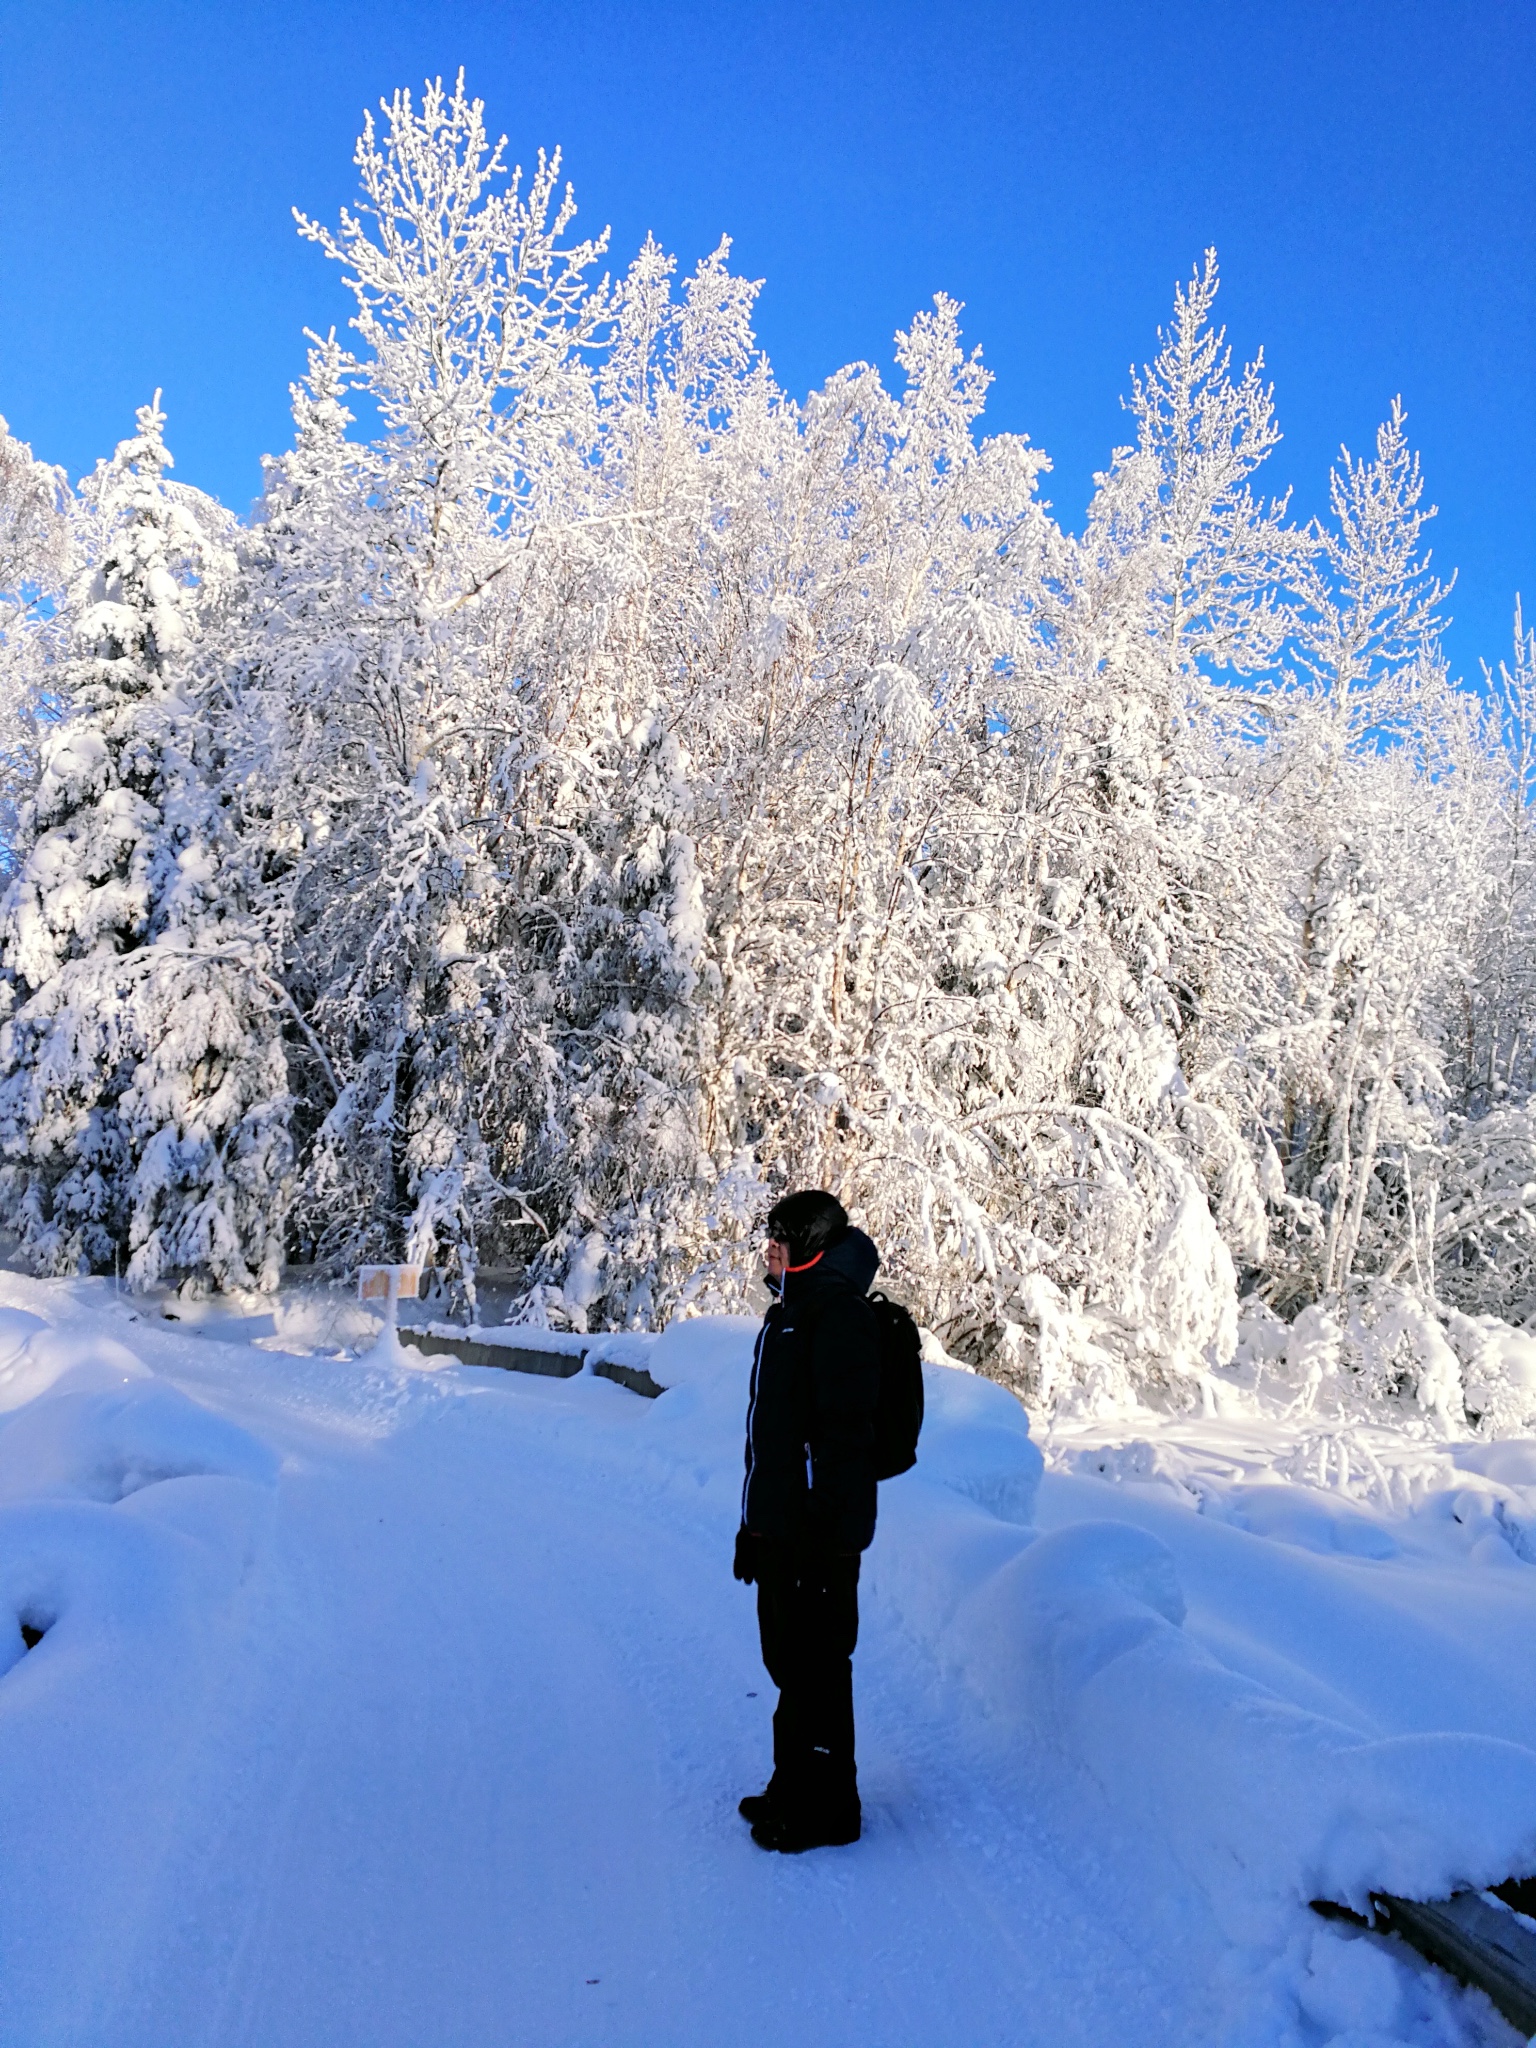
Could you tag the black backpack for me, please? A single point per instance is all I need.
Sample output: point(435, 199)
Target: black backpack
point(899, 1410)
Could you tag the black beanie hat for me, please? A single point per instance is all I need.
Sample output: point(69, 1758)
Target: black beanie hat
point(809, 1222)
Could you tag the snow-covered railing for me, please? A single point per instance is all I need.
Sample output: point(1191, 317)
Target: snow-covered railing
point(1487, 1939)
point(557, 1354)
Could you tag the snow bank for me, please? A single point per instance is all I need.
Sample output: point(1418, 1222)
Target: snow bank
point(108, 1588)
point(712, 1355)
point(976, 1442)
point(107, 1446)
point(962, 1513)
point(36, 1358)
point(108, 1499)
point(1079, 1639)
point(129, 1519)
point(17, 1329)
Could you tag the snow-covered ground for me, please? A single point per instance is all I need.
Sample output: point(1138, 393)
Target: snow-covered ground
point(381, 1701)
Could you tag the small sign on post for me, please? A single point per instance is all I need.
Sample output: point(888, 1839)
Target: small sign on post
point(389, 1283)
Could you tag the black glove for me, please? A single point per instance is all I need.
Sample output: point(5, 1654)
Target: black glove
point(744, 1566)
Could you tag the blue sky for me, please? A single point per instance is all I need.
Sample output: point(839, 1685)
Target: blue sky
point(1365, 171)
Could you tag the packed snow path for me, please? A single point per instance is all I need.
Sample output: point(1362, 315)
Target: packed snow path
point(471, 1772)
point(452, 1757)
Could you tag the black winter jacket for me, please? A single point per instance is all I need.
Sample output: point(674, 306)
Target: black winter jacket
point(811, 1416)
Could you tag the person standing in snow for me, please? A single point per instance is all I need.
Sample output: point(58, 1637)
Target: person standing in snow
point(808, 1511)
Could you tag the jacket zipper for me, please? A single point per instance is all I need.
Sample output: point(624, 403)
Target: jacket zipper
point(757, 1359)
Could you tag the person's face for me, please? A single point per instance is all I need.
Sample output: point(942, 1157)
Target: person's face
point(776, 1257)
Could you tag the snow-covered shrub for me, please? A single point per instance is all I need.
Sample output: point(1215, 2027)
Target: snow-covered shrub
point(1498, 1372)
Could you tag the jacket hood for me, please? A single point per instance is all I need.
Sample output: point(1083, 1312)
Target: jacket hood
point(852, 1258)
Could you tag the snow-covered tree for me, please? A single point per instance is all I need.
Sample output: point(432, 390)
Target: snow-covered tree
point(380, 681)
point(143, 1100)
point(33, 552)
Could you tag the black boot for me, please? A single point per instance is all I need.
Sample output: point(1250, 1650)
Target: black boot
point(823, 1812)
point(792, 1833)
point(760, 1806)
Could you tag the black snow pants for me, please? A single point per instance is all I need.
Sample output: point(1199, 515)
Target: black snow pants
point(808, 1618)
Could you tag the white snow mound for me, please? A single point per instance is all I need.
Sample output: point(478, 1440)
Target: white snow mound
point(1080, 1639)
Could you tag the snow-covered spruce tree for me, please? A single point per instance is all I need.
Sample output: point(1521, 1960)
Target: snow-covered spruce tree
point(143, 1094)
